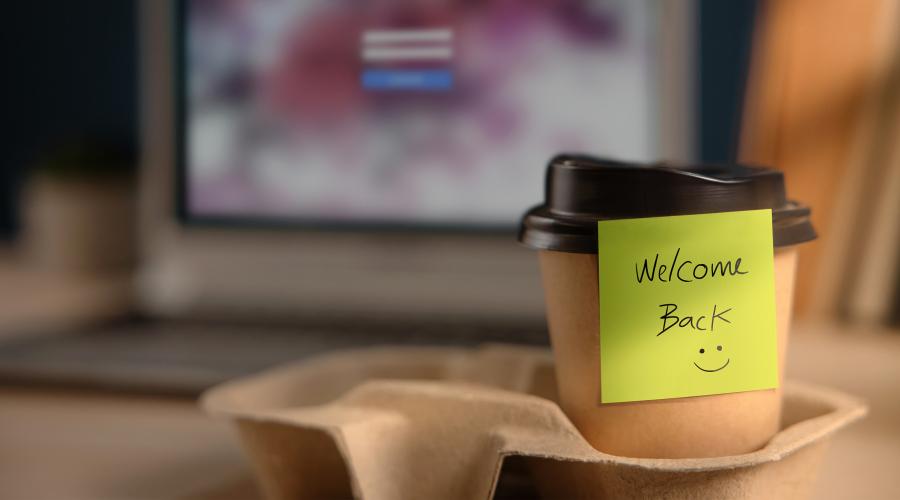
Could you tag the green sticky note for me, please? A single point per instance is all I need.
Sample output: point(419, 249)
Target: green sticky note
point(687, 306)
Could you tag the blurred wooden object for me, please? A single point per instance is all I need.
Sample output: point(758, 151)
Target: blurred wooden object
point(874, 274)
point(820, 73)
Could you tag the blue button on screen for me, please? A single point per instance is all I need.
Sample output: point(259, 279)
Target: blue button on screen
point(405, 79)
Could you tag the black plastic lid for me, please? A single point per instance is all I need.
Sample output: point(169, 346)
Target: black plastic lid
point(580, 190)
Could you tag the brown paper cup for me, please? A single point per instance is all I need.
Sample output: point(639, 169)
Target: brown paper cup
point(704, 426)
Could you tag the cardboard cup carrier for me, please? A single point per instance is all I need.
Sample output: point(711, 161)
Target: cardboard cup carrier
point(582, 190)
point(397, 423)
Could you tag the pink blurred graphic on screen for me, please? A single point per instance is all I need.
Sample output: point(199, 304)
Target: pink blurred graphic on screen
point(408, 112)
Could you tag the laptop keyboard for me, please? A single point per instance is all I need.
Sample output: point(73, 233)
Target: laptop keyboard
point(185, 358)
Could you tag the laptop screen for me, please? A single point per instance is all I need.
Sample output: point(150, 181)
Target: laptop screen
point(423, 113)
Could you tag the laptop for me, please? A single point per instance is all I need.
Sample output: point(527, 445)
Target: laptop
point(319, 175)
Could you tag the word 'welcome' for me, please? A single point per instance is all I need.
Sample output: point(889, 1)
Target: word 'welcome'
point(686, 270)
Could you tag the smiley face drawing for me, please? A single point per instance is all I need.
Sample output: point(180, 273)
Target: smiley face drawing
point(707, 370)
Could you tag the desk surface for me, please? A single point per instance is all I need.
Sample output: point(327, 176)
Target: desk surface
point(93, 446)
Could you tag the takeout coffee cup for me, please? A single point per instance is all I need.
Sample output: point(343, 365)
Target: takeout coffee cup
point(582, 190)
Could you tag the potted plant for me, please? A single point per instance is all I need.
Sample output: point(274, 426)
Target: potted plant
point(79, 209)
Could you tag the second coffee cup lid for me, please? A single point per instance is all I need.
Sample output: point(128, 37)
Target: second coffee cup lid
point(580, 190)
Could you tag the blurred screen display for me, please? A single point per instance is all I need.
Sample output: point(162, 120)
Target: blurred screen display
point(409, 112)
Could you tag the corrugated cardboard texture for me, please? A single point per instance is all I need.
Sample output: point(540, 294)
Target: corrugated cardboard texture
point(438, 423)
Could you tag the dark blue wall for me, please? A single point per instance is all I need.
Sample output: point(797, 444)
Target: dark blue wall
point(724, 46)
